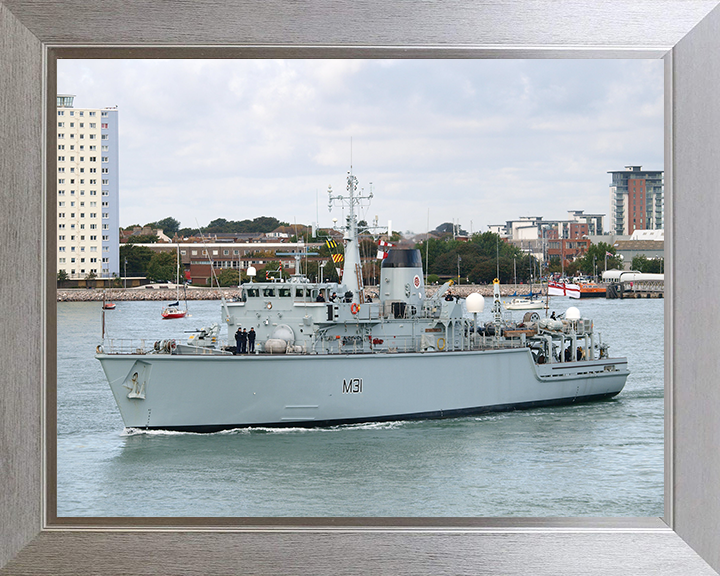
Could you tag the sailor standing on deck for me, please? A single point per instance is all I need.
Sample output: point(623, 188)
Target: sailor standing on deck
point(243, 341)
point(251, 340)
point(238, 338)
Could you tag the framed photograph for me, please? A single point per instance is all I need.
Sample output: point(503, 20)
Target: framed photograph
point(35, 540)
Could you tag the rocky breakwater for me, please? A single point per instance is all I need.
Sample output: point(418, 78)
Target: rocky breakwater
point(139, 294)
point(166, 294)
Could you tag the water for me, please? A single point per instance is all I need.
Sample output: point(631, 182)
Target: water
point(600, 459)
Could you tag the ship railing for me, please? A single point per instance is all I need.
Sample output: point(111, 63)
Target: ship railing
point(409, 344)
point(124, 346)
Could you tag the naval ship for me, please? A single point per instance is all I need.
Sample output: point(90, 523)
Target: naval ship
point(327, 355)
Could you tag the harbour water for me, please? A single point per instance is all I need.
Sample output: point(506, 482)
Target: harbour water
point(598, 459)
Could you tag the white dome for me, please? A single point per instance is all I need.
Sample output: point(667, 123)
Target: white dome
point(475, 303)
point(251, 271)
point(572, 313)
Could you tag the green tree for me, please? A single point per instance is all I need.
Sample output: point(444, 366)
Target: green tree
point(168, 225)
point(594, 259)
point(142, 239)
point(162, 267)
point(138, 258)
point(642, 263)
point(62, 276)
point(228, 277)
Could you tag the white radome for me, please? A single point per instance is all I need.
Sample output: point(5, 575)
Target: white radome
point(475, 303)
point(572, 313)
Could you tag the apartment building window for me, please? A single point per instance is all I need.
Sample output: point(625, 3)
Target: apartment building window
point(106, 215)
point(92, 136)
point(105, 203)
point(93, 124)
point(105, 137)
point(93, 226)
point(61, 204)
point(93, 260)
point(61, 237)
point(93, 237)
point(105, 193)
point(61, 226)
point(106, 238)
point(92, 158)
point(93, 192)
point(61, 124)
point(62, 260)
point(105, 148)
point(93, 214)
point(93, 170)
point(63, 169)
point(61, 146)
point(106, 227)
point(72, 113)
point(61, 113)
point(61, 180)
point(106, 260)
point(93, 204)
point(82, 227)
point(105, 182)
point(93, 181)
point(103, 113)
point(105, 159)
point(72, 135)
point(82, 214)
point(82, 125)
point(61, 135)
point(105, 171)
point(61, 192)
point(61, 248)
point(61, 215)
point(61, 158)
point(81, 113)
point(93, 147)
point(72, 124)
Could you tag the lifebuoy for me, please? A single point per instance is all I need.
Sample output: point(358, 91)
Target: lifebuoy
point(441, 343)
point(355, 308)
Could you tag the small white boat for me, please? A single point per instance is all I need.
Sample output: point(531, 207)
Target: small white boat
point(525, 304)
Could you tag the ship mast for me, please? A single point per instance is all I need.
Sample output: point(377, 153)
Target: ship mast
point(352, 267)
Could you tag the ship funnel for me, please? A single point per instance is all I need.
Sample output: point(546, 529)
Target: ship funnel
point(402, 289)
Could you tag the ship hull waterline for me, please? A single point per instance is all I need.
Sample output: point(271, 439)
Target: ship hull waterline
point(212, 393)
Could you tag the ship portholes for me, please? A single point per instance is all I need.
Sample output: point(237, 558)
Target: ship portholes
point(268, 305)
point(441, 343)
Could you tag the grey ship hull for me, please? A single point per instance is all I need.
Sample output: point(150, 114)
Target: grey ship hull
point(211, 393)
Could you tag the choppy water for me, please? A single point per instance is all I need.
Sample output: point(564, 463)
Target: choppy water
point(601, 459)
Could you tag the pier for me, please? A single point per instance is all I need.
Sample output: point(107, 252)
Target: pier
point(637, 289)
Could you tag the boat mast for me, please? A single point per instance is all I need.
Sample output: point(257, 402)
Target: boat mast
point(352, 266)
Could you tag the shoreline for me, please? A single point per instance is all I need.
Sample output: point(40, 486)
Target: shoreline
point(167, 294)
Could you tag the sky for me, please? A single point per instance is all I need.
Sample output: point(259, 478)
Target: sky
point(474, 142)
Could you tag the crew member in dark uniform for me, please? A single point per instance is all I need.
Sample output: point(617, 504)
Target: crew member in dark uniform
point(238, 338)
point(243, 341)
point(251, 340)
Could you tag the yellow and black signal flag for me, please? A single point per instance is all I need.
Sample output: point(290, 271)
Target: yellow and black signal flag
point(331, 244)
point(337, 258)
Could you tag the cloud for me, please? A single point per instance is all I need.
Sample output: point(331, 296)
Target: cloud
point(480, 140)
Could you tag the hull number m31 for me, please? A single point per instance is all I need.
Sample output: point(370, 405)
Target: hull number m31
point(352, 386)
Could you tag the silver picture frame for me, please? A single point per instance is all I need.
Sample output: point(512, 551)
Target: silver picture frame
point(33, 35)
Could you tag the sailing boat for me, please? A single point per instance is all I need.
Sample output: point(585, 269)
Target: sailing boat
point(173, 309)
